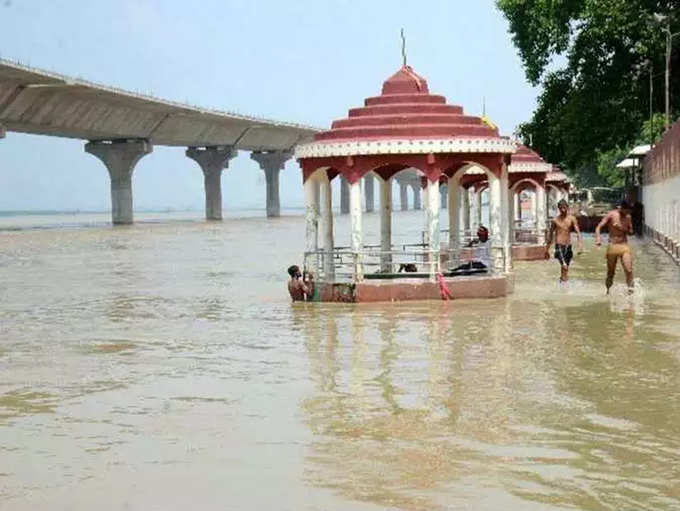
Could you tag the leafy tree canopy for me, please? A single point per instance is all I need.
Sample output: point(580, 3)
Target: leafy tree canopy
point(592, 58)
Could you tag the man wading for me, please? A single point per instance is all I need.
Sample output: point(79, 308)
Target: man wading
point(560, 229)
point(620, 226)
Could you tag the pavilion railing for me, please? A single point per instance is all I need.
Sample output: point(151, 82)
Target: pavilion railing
point(526, 232)
point(344, 264)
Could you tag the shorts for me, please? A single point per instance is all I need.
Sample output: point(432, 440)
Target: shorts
point(617, 250)
point(563, 254)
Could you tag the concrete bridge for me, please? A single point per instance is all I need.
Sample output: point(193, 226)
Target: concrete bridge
point(121, 127)
point(406, 179)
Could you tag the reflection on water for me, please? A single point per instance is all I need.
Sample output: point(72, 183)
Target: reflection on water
point(166, 361)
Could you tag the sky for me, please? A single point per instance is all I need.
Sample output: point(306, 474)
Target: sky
point(299, 61)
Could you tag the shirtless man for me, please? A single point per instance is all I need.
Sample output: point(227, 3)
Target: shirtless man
point(300, 290)
point(620, 226)
point(560, 230)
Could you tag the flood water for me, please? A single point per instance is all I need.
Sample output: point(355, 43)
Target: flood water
point(162, 367)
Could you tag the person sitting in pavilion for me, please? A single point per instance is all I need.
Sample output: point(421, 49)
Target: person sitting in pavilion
point(479, 261)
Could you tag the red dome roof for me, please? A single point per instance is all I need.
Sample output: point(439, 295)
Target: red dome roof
point(526, 155)
point(406, 109)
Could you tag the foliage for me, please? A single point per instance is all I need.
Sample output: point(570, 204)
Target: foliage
point(599, 98)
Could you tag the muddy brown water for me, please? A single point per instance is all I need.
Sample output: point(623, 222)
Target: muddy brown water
point(162, 366)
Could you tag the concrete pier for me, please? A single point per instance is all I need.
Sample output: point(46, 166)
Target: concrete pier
point(272, 162)
point(403, 196)
point(344, 195)
point(120, 158)
point(369, 192)
point(416, 195)
point(212, 160)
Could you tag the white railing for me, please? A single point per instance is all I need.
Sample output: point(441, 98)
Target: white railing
point(526, 232)
point(344, 264)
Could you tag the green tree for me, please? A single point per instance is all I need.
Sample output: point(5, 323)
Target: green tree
point(592, 58)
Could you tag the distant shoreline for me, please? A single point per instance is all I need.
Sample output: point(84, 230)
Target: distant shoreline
point(54, 212)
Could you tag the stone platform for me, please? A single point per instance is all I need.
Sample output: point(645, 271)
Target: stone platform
point(402, 289)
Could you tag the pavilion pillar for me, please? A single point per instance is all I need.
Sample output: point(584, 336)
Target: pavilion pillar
point(455, 221)
point(344, 195)
point(443, 195)
point(534, 208)
point(541, 214)
point(272, 163)
point(357, 243)
point(432, 206)
point(505, 218)
point(120, 158)
point(416, 195)
point(386, 225)
point(472, 200)
point(212, 161)
point(369, 192)
point(517, 214)
point(465, 207)
point(311, 189)
point(496, 224)
point(403, 196)
point(327, 228)
point(478, 207)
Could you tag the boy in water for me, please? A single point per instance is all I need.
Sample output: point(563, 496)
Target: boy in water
point(300, 290)
point(620, 226)
point(560, 230)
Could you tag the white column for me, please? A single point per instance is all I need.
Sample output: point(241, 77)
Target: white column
point(478, 205)
point(455, 221)
point(416, 194)
point(534, 207)
point(311, 224)
point(426, 229)
point(357, 229)
point(432, 214)
point(403, 196)
point(541, 214)
point(510, 215)
point(465, 210)
point(368, 192)
point(474, 220)
point(327, 228)
point(496, 224)
point(385, 224)
point(505, 196)
point(344, 195)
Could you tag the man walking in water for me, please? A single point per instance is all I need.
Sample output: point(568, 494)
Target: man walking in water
point(560, 230)
point(620, 226)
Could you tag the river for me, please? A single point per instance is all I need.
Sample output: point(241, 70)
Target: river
point(162, 366)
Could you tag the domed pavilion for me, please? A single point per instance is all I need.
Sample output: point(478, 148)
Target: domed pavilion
point(404, 127)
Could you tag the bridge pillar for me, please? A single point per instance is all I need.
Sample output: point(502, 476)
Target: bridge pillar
point(344, 195)
point(368, 192)
point(403, 195)
point(416, 195)
point(272, 162)
point(212, 160)
point(120, 158)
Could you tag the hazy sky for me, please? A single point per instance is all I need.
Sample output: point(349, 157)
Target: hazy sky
point(301, 61)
